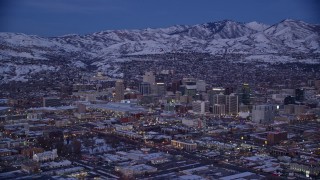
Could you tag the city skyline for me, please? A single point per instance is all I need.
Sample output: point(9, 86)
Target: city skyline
point(146, 89)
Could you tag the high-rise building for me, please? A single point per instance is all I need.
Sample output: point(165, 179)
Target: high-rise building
point(201, 85)
point(219, 99)
point(263, 114)
point(119, 91)
point(188, 87)
point(161, 89)
point(145, 88)
point(149, 78)
point(200, 107)
point(245, 94)
point(212, 93)
point(299, 94)
point(232, 104)
point(219, 109)
point(175, 85)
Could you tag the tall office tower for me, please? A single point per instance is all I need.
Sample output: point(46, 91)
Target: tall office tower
point(263, 114)
point(175, 85)
point(161, 89)
point(200, 107)
point(178, 95)
point(188, 87)
point(149, 78)
point(191, 90)
point(145, 88)
point(232, 104)
point(245, 94)
point(201, 85)
point(119, 91)
point(212, 93)
point(299, 94)
point(219, 99)
point(219, 109)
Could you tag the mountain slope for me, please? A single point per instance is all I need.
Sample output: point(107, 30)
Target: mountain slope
point(98, 49)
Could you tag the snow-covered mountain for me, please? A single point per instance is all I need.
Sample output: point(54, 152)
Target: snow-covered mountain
point(253, 40)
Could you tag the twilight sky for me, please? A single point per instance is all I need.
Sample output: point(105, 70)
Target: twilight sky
point(59, 17)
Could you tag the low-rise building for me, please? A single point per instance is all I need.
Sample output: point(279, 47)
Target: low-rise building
point(189, 146)
point(45, 156)
point(139, 169)
point(30, 167)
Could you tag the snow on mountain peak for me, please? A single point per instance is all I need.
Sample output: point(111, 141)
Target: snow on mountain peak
point(252, 40)
point(210, 37)
point(257, 26)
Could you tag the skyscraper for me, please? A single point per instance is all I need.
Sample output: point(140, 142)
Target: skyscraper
point(219, 109)
point(219, 99)
point(145, 88)
point(149, 78)
point(201, 85)
point(161, 89)
point(212, 93)
point(175, 85)
point(232, 104)
point(200, 107)
point(119, 90)
point(245, 94)
point(299, 94)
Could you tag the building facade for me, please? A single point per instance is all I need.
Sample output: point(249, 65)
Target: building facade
point(263, 114)
point(45, 156)
point(119, 91)
point(189, 146)
point(145, 88)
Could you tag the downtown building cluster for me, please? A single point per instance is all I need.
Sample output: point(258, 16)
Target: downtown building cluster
point(163, 128)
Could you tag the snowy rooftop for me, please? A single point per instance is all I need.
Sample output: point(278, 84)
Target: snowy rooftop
point(4, 108)
point(191, 177)
point(237, 176)
point(60, 108)
point(140, 167)
point(119, 107)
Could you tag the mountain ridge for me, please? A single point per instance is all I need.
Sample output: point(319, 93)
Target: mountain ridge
point(253, 41)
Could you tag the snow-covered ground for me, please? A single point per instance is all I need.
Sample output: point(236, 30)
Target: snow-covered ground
point(23, 54)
